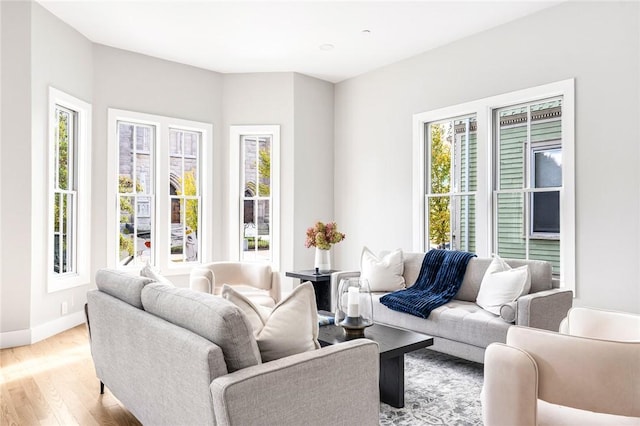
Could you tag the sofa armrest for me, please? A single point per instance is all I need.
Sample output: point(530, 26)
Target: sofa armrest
point(544, 309)
point(335, 281)
point(333, 385)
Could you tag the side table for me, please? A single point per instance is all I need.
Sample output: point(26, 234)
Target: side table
point(321, 285)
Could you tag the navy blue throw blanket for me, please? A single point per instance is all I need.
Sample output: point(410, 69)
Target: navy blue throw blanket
point(439, 280)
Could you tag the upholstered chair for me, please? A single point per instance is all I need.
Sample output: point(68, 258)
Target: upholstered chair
point(256, 281)
point(542, 377)
point(601, 324)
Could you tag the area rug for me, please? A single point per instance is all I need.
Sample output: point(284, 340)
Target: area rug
point(439, 390)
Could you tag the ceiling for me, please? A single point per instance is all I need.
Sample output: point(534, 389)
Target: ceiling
point(330, 40)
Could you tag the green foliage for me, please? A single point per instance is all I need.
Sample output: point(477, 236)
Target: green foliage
point(125, 186)
point(126, 244)
point(439, 213)
point(188, 186)
point(264, 170)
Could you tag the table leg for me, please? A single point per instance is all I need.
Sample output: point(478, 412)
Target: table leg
point(392, 381)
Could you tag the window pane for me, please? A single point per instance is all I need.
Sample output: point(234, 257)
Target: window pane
point(547, 250)
point(511, 143)
point(510, 222)
point(143, 173)
point(546, 212)
point(127, 230)
point(177, 230)
point(548, 168)
point(546, 121)
point(439, 223)
point(250, 161)
point(63, 148)
point(464, 232)
point(440, 157)
point(125, 146)
point(144, 137)
point(191, 231)
point(264, 167)
point(465, 128)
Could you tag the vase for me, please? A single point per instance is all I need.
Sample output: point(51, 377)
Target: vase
point(323, 260)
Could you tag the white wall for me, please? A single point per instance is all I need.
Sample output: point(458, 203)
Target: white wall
point(130, 81)
point(62, 58)
point(313, 160)
point(303, 107)
point(598, 44)
point(15, 281)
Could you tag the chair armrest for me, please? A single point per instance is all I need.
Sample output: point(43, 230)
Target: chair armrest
point(589, 374)
point(335, 281)
point(201, 279)
point(509, 399)
point(544, 309)
point(333, 385)
point(275, 291)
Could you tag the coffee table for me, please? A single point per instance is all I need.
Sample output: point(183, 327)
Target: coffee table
point(393, 343)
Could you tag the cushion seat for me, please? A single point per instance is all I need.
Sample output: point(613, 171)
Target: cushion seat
point(461, 321)
point(256, 295)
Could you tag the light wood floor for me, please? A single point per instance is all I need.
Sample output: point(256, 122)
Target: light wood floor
point(53, 382)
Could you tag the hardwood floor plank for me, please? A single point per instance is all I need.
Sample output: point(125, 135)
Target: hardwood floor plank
point(53, 382)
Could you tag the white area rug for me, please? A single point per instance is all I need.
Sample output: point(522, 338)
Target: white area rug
point(439, 390)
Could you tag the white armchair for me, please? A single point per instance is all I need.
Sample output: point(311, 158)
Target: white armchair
point(601, 324)
point(545, 378)
point(256, 281)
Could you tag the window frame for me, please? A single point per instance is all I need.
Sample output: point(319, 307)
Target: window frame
point(485, 228)
point(161, 198)
point(81, 212)
point(535, 148)
point(236, 133)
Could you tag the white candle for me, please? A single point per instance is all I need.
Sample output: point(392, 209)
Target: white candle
point(353, 302)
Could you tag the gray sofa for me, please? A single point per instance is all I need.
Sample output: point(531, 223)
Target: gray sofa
point(177, 356)
point(462, 328)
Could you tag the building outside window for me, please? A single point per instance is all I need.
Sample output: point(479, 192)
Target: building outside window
point(161, 182)
point(254, 197)
point(528, 180)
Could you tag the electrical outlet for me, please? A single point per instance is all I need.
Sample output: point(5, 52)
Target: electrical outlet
point(64, 308)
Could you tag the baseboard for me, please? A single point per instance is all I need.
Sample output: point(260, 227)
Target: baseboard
point(56, 326)
point(12, 339)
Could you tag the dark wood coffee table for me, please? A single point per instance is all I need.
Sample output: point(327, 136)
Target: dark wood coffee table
point(393, 343)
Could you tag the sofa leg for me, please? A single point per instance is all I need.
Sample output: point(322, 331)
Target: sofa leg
point(101, 388)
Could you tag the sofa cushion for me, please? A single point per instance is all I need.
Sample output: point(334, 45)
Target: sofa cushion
point(149, 272)
point(502, 284)
point(211, 317)
point(122, 285)
point(289, 328)
point(464, 322)
point(383, 273)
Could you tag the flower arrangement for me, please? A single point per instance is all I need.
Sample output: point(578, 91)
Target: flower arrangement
point(323, 235)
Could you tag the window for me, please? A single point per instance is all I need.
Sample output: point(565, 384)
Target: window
point(528, 180)
point(255, 193)
point(69, 183)
point(163, 185)
point(496, 176)
point(452, 182)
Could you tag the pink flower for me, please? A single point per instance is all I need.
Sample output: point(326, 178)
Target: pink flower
point(323, 236)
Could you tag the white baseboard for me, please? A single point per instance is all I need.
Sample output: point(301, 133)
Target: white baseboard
point(11, 339)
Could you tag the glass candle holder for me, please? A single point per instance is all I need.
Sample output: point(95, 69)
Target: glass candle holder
point(354, 307)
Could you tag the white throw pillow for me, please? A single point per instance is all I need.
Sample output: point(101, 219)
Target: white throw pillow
point(383, 274)
point(289, 328)
point(149, 272)
point(501, 284)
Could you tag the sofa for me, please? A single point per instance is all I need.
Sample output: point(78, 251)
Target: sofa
point(461, 327)
point(178, 356)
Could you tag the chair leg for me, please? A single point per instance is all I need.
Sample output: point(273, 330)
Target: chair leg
point(101, 388)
